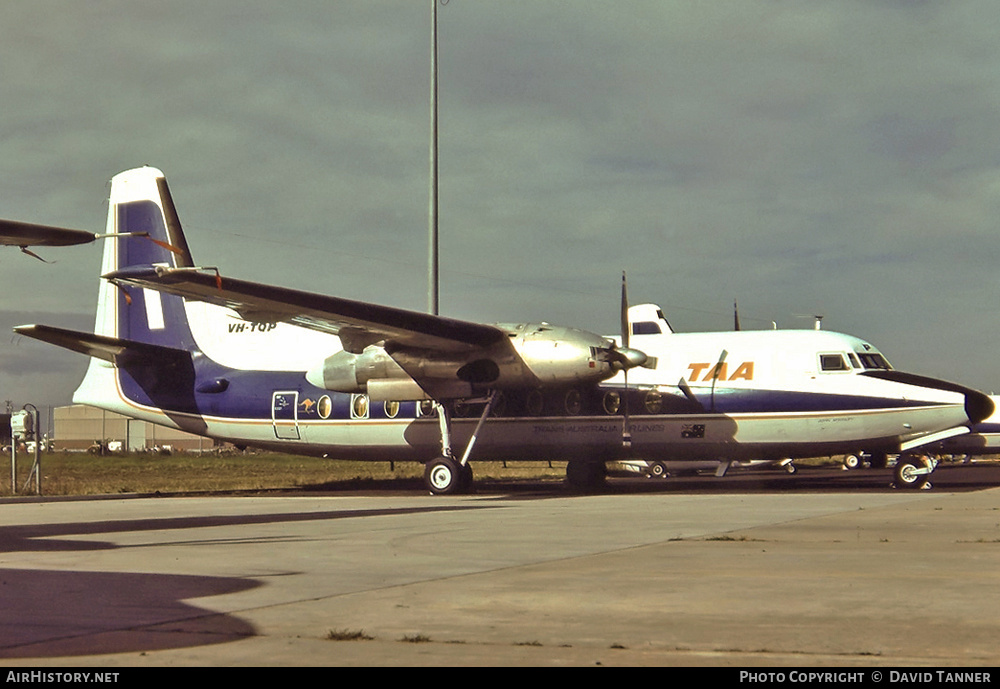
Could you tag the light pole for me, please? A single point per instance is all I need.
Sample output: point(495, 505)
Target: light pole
point(432, 256)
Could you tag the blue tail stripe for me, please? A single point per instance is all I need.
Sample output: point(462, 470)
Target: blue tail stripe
point(164, 320)
point(142, 216)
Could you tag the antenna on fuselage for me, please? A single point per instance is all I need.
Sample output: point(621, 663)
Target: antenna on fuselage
point(817, 320)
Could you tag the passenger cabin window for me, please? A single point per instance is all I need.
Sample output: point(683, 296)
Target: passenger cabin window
point(833, 362)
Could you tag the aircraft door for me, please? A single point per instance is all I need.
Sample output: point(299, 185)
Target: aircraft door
point(285, 415)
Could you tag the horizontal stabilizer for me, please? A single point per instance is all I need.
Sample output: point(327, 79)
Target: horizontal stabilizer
point(116, 350)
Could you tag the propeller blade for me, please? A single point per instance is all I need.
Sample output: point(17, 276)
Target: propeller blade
point(686, 389)
point(625, 326)
point(715, 374)
point(623, 356)
point(626, 357)
point(626, 429)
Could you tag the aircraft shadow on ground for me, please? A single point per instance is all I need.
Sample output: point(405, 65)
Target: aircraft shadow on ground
point(49, 613)
point(65, 613)
point(58, 537)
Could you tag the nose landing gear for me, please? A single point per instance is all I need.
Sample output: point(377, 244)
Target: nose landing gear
point(914, 472)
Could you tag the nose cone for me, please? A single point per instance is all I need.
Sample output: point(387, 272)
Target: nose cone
point(978, 406)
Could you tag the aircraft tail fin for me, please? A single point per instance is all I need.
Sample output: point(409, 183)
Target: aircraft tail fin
point(143, 230)
point(648, 319)
point(142, 346)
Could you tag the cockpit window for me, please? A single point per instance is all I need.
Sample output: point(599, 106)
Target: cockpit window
point(646, 328)
point(873, 360)
point(833, 362)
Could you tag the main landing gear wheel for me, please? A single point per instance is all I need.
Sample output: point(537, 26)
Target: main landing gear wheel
point(447, 476)
point(466, 486)
point(586, 476)
point(878, 460)
point(913, 472)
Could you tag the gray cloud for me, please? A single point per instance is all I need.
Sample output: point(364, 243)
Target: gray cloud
point(814, 157)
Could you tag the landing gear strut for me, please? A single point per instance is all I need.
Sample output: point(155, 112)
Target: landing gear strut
point(914, 472)
point(787, 465)
point(447, 475)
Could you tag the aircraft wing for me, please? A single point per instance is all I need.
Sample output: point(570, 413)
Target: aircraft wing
point(14, 233)
point(358, 324)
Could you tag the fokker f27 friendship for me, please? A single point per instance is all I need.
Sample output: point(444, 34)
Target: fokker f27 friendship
point(180, 345)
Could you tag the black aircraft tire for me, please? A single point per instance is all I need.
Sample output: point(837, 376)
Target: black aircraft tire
point(906, 476)
point(878, 460)
point(445, 476)
point(585, 476)
point(466, 481)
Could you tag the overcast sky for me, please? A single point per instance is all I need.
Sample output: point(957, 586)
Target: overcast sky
point(824, 157)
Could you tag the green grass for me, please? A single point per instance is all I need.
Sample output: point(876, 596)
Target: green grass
point(72, 473)
point(80, 473)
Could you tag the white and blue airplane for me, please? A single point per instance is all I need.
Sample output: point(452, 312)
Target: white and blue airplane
point(180, 345)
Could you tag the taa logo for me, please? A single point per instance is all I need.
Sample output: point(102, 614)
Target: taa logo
point(720, 371)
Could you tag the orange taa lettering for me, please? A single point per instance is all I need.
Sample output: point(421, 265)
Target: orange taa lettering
point(720, 371)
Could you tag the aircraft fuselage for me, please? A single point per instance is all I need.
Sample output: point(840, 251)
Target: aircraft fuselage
point(755, 401)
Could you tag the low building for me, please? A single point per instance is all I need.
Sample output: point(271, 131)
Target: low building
point(79, 427)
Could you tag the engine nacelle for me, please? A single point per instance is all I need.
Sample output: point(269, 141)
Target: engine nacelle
point(567, 356)
point(347, 372)
point(532, 356)
point(375, 373)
